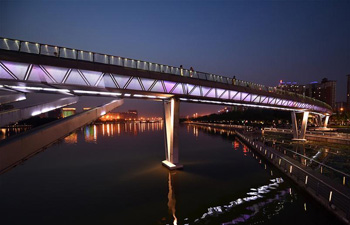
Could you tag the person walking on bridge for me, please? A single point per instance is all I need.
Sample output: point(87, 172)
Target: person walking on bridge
point(181, 70)
point(191, 71)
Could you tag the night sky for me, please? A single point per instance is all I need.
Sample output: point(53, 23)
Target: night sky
point(258, 41)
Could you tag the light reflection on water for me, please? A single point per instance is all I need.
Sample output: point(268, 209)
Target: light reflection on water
point(125, 182)
point(264, 203)
point(171, 197)
point(91, 132)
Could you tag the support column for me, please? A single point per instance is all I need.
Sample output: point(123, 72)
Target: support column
point(326, 122)
point(171, 124)
point(294, 126)
point(296, 135)
point(304, 126)
point(316, 120)
point(320, 120)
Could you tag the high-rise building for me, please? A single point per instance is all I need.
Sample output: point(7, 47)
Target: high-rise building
point(323, 91)
point(292, 87)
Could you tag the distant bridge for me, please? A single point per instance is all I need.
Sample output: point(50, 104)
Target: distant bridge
point(32, 67)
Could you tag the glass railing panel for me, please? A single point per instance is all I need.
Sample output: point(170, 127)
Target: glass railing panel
point(68, 53)
point(49, 50)
point(115, 60)
point(100, 58)
point(127, 63)
point(144, 65)
point(30, 47)
point(201, 75)
point(186, 73)
point(209, 77)
point(175, 71)
point(157, 68)
point(9, 44)
point(86, 56)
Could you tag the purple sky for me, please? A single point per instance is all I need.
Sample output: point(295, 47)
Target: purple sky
point(258, 41)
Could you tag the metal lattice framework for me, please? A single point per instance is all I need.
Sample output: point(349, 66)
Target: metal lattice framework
point(186, 91)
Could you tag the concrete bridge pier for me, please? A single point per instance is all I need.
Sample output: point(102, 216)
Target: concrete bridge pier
point(299, 135)
point(325, 122)
point(171, 136)
point(317, 120)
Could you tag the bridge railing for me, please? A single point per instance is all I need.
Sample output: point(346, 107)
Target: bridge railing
point(70, 53)
point(337, 199)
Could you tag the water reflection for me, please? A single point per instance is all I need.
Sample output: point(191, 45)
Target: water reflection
point(171, 197)
point(91, 132)
point(259, 202)
point(12, 130)
point(71, 139)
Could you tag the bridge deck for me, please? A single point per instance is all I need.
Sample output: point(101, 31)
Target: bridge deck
point(31, 63)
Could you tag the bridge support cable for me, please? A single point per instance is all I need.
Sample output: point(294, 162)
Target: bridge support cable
point(299, 135)
point(171, 136)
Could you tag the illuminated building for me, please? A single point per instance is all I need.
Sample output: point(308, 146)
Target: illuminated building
point(68, 112)
point(323, 91)
point(71, 139)
point(292, 87)
point(225, 110)
point(131, 115)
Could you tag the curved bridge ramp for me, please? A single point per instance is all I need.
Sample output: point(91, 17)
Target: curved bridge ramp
point(18, 148)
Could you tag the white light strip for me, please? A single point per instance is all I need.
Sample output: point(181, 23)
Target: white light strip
point(97, 93)
point(169, 164)
point(21, 98)
point(44, 110)
point(38, 88)
point(241, 104)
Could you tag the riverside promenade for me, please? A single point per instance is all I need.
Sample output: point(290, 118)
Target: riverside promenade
point(333, 195)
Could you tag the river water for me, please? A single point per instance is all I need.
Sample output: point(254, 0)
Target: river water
point(112, 174)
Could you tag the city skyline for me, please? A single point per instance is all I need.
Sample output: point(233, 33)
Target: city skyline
point(262, 43)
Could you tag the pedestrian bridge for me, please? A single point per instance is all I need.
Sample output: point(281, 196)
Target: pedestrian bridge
point(28, 66)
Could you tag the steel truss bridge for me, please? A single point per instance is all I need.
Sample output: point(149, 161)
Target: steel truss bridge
point(33, 67)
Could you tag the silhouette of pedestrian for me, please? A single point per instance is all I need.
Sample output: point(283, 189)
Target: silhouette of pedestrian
point(234, 80)
point(191, 71)
point(181, 70)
